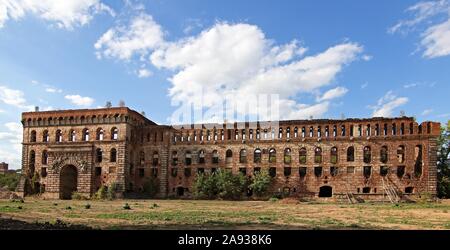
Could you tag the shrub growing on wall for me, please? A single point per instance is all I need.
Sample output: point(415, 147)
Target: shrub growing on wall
point(260, 183)
point(221, 184)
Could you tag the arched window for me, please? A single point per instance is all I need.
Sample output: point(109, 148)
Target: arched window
point(33, 136)
point(334, 131)
point(72, 135)
point(243, 156)
point(188, 158)
point(257, 156)
point(311, 131)
point(288, 132)
point(384, 154)
point(411, 128)
point(258, 134)
point(44, 157)
point(295, 132)
point(367, 154)
point(155, 158)
point(280, 133)
point(302, 155)
point(287, 156)
point(303, 132)
point(100, 134)
point(215, 157)
point(229, 156)
point(343, 130)
point(401, 154)
point(31, 162)
point(334, 155)
point(201, 157)
point(368, 130)
point(377, 129)
point(85, 134)
point(385, 129)
point(58, 136)
point(115, 134)
point(402, 128)
point(98, 155)
point(45, 137)
point(351, 153)
point(394, 129)
point(113, 157)
point(174, 158)
point(327, 131)
point(318, 155)
point(418, 161)
point(272, 155)
point(319, 131)
point(236, 134)
point(142, 157)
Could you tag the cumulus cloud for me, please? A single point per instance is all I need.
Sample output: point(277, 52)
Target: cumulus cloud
point(435, 39)
point(53, 90)
point(231, 60)
point(14, 98)
point(65, 14)
point(386, 104)
point(333, 93)
point(10, 144)
point(80, 100)
point(137, 38)
point(143, 73)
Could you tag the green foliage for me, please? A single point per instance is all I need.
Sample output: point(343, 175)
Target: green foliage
point(102, 193)
point(35, 185)
point(111, 191)
point(273, 199)
point(126, 206)
point(79, 196)
point(443, 163)
point(221, 184)
point(87, 206)
point(151, 186)
point(260, 183)
point(10, 180)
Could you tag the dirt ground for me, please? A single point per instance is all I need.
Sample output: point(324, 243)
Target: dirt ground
point(195, 214)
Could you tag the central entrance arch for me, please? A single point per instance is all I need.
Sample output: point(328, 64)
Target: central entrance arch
point(68, 182)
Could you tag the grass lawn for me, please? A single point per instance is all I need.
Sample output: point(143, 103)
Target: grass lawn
point(196, 214)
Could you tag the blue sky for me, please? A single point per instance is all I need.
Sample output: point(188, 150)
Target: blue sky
point(324, 58)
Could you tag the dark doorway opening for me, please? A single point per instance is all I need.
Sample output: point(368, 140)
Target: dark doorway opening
point(180, 191)
point(68, 182)
point(326, 191)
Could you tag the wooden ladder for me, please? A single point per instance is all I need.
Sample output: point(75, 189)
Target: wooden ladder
point(390, 191)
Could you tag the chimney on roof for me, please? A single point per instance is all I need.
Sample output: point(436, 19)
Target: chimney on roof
point(108, 104)
point(143, 113)
point(36, 108)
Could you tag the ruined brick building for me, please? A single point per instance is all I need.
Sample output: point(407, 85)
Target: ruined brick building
point(81, 150)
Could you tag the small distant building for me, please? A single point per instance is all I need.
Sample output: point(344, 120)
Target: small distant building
point(3, 168)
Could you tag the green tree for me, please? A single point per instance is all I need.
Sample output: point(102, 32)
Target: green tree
point(443, 167)
point(260, 183)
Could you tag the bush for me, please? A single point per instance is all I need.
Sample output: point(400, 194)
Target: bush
point(221, 184)
point(10, 180)
point(260, 183)
point(112, 190)
point(101, 194)
point(151, 186)
point(87, 206)
point(126, 206)
point(79, 196)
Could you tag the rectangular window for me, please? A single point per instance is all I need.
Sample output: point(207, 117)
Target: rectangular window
point(318, 171)
point(98, 171)
point(302, 171)
point(350, 170)
point(141, 172)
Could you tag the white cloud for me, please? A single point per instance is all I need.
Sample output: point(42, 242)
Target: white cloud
point(14, 98)
point(386, 105)
point(53, 90)
point(143, 73)
point(238, 59)
point(34, 82)
point(427, 112)
point(435, 40)
point(122, 42)
point(364, 85)
point(10, 144)
point(230, 60)
point(65, 14)
point(80, 100)
point(367, 57)
point(333, 93)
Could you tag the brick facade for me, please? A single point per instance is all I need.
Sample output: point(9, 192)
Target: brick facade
point(305, 157)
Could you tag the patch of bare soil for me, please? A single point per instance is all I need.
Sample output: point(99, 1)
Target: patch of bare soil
point(12, 224)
